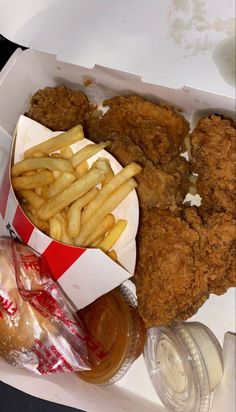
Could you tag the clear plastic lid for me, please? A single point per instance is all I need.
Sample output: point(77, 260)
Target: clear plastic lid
point(185, 364)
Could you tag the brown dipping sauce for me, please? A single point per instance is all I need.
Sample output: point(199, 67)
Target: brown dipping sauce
point(114, 323)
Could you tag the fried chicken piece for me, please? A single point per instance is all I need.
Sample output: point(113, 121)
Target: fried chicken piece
point(217, 247)
point(158, 130)
point(181, 260)
point(213, 145)
point(168, 283)
point(59, 108)
point(162, 186)
point(156, 188)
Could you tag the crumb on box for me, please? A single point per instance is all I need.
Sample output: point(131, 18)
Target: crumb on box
point(87, 82)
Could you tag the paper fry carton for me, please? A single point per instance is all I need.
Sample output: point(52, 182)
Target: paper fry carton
point(83, 273)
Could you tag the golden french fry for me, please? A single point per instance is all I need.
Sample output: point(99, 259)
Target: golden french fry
point(55, 228)
point(129, 171)
point(82, 168)
point(29, 207)
point(61, 183)
point(57, 142)
point(110, 175)
point(56, 173)
point(31, 197)
point(38, 154)
point(30, 173)
point(40, 224)
point(41, 191)
point(87, 152)
point(55, 155)
point(112, 254)
point(107, 207)
point(106, 224)
point(41, 163)
point(56, 203)
point(64, 212)
point(66, 152)
point(74, 221)
point(94, 245)
point(74, 213)
point(65, 238)
point(31, 182)
point(113, 235)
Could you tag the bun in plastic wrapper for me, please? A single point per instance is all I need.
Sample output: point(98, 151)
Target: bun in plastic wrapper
point(37, 330)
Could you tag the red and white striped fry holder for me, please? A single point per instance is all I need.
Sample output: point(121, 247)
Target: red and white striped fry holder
point(83, 273)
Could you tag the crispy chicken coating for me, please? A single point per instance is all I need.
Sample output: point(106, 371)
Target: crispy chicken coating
point(151, 135)
point(182, 258)
point(213, 146)
point(162, 186)
point(158, 130)
point(217, 247)
point(59, 108)
point(157, 188)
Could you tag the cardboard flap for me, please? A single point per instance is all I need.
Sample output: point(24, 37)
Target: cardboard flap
point(171, 43)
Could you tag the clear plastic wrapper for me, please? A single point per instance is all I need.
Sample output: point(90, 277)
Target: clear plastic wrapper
point(37, 330)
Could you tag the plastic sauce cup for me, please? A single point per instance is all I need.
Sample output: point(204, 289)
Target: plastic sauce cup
point(185, 364)
point(114, 323)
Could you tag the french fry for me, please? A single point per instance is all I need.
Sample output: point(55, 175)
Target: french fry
point(65, 238)
point(106, 224)
point(87, 152)
point(55, 228)
point(32, 198)
point(56, 203)
point(29, 207)
point(58, 142)
point(107, 207)
point(30, 173)
point(113, 235)
point(38, 154)
point(61, 183)
point(55, 155)
point(31, 182)
point(41, 191)
point(110, 175)
point(66, 152)
point(40, 224)
point(74, 213)
point(129, 171)
point(112, 254)
point(64, 212)
point(41, 163)
point(56, 173)
point(82, 168)
point(94, 245)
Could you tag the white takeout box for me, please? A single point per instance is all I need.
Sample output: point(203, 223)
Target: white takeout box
point(83, 273)
point(30, 70)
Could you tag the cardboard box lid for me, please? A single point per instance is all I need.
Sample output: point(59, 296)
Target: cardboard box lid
point(172, 43)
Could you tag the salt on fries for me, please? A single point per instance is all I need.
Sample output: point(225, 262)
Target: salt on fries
point(66, 199)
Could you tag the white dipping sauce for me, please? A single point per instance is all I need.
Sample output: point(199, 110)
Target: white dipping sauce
point(171, 365)
point(185, 364)
point(209, 351)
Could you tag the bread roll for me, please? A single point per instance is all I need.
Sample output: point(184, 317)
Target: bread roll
point(20, 324)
